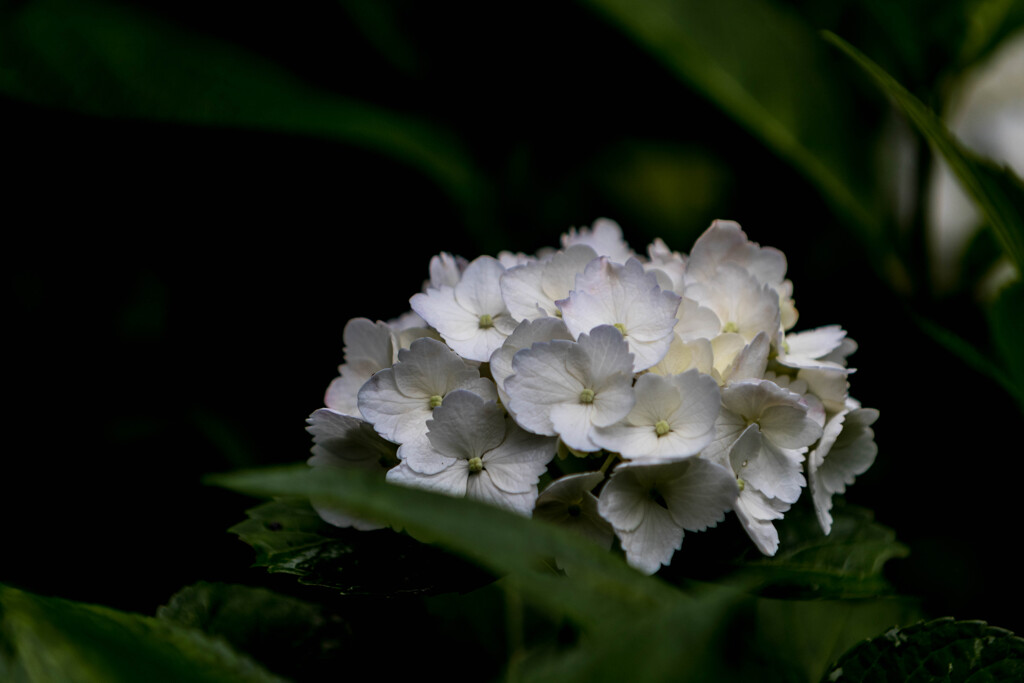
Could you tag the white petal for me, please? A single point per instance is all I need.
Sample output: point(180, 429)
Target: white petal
point(623, 499)
point(465, 426)
point(516, 464)
point(446, 269)
point(423, 458)
point(395, 416)
point(847, 450)
point(696, 321)
point(530, 291)
point(750, 363)
point(479, 290)
point(481, 487)
point(756, 512)
point(342, 441)
point(607, 293)
point(368, 348)
point(653, 543)
point(700, 403)
point(789, 426)
point(540, 380)
point(574, 424)
point(605, 237)
point(428, 367)
point(698, 492)
point(568, 502)
point(725, 242)
point(345, 441)
point(816, 343)
point(451, 481)
point(682, 356)
point(776, 472)
point(526, 334)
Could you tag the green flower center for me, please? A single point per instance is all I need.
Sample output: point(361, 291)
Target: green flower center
point(587, 396)
point(486, 321)
point(435, 400)
point(475, 465)
point(621, 328)
point(661, 428)
point(731, 327)
point(742, 484)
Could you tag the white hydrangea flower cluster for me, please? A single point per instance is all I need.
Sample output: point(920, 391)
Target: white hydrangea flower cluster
point(673, 382)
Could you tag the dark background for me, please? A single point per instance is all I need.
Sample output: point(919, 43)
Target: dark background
point(175, 295)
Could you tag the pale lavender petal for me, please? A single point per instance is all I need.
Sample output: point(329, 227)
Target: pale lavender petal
point(465, 426)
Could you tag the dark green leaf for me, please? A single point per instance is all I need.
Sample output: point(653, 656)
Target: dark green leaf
point(848, 563)
point(766, 69)
point(1006, 320)
point(940, 650)
point(602, 591)
point(989, 23)
point(290, 537)
point(807, 636)
point(690, 642)
point(997, 191)
point(286, 634)
point(114, 61)
point(974, 357)
point(49, 639)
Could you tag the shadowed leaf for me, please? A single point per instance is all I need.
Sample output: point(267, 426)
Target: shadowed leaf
point(51, 639)
point(939, 650)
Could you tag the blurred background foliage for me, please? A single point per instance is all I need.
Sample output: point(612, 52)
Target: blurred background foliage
point(200, 195)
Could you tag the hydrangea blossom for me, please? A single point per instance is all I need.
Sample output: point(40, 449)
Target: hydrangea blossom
point(673, 388)
point(650, 506)
point(399, 400)
point(475, 450)
point(570, 389)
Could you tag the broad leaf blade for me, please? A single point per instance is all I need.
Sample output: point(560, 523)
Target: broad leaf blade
point(689, 642)
point(997, 191)
point(848, 563)
point(114, 61)
point(290, 636)
point(764, 68)
point(940, 650)
point(51, 639)
point(1006, 320)
point(289, 537)
point(603, 590)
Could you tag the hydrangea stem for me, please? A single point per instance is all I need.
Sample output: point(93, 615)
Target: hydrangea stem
point(612, 457)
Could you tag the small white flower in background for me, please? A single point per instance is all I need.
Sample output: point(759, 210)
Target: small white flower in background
point(675, 380)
